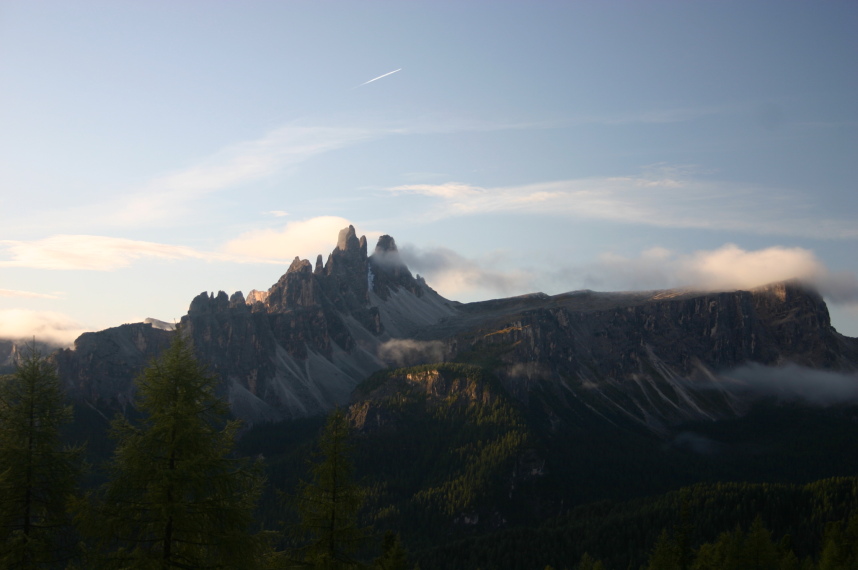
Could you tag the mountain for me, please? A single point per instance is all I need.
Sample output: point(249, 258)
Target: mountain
point(648, 359)
point(296, 350)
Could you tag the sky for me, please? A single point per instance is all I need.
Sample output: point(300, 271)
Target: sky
point(150, 151)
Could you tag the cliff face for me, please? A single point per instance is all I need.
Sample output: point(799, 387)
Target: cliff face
point(300, 348)
point(101, 367)
point(651, 358)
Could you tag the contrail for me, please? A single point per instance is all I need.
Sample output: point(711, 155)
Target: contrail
point(380, 76)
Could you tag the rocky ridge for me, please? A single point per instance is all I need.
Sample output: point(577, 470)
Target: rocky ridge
point(296, 350)
point(645, 359)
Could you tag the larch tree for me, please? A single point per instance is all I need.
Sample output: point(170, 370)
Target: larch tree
point(38, 474)
point(176, 498)
point(328, 504)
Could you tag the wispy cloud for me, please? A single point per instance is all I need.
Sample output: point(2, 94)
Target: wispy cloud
point(29, 294)
point(233, 166)
point(102, 253)
point(661, 196)
point(86, 252)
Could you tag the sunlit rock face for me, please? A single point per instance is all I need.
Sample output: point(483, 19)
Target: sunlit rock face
point(301, 347)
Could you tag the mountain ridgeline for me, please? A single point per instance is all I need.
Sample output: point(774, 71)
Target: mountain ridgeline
point(650, 359)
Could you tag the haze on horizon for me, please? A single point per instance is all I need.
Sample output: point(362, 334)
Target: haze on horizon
point(152, 151)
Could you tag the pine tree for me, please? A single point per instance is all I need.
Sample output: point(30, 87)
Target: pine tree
point(328, 504)
point(665, 554)
point(39, 474)
point(176, 499)
point(393, 555)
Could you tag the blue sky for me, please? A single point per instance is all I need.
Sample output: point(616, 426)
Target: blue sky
point(153, 150)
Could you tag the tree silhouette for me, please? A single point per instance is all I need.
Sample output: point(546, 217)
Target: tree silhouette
point(38, 474)
point(329, 503)
point(176, 499)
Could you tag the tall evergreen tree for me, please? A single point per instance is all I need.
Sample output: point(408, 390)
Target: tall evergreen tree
point(329, 503)
point(176, 498)
point(393, 555)
point(38, 475)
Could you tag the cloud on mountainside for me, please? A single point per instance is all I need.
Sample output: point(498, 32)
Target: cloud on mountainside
point(46, 326)
point(726, 268)
point(408, 352)
point(452, 274)
point(792, 382)
point(662, 196)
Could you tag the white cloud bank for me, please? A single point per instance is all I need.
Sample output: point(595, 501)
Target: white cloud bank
point(305, 238)
point(45, 326)
point(661, 196)
point(726, 268)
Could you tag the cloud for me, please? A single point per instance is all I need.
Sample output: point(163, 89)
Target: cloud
point(409, 352)
point(726, 268)
point(168, 198)
point(452, 274)
point(46, 326)
point(28, 294)
point(305, 238)
point(233, 166)
point(792, 382)
point(86, 252)
point(103, 253)
point(663, 196)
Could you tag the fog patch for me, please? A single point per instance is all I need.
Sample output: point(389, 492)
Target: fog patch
point(793, 383)
point(409, 352)
point(697, 443)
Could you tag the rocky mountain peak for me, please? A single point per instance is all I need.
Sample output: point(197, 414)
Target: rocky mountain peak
point(386, 244)
point(300, 266)
point(347, 240)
